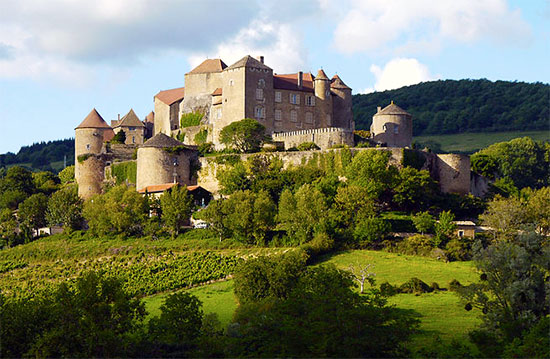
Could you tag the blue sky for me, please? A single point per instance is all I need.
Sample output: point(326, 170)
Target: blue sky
point(61, 58)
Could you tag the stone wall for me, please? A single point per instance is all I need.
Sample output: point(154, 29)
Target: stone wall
point(453, 172)
point(325, 138)
point(91, 175)
point(156, 166)
point(122, 152)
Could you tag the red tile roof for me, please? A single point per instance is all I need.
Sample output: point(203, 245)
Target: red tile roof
point(171, 96)
point(321, 75)
point(93, 120)
point(108, 135)
point(157, 188)
point(209, 65)
point(337, 83)
point(217, 92)
point(130, 120)
point(290, 82)
point(150, 117)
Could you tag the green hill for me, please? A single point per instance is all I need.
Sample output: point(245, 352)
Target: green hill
point(450, 106)
point(44, 156)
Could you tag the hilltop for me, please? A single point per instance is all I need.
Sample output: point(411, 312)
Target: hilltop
point(450, 106)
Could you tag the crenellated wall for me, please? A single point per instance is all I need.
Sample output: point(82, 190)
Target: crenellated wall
point(325, 138)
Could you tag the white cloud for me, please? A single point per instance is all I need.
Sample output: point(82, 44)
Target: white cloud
point(280, 44)
point(374, 25)
point(397, 73)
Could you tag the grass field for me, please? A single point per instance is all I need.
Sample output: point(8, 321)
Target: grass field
point(472, 142)
point(441, 313)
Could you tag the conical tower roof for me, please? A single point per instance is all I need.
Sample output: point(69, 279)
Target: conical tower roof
point(160, 140)
point(321, 75)
point(337, 83)
point(93, 120)
point(130, 120)
point(150, 117)
point(392, 109)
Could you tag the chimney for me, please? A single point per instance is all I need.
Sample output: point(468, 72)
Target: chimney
point(119, 116)
point(378, 109)
point(260, 58)
point(300, 79)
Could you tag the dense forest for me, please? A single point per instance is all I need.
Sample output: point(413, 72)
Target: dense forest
point(40, 155)
point(450, 106)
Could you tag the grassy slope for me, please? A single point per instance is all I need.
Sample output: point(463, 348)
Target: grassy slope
point(441, 313)
point(473, 142)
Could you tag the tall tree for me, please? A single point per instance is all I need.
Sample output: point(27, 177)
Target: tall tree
point(65, 209)
point(176, 206)
point(245, 135)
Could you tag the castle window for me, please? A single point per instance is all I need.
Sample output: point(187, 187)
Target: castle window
point(231, 82)
point(259, 112)
point(278, 97)
point(277, 115)
point(293, 116)
point(310, 100)
point(329, 120)
point(219, 113)
point(309, 117)
point(261, 83)
point(396, 129)
point(259, 94)
point(132, 128)
point(385, 128)
point(88, 147)
point(133, 139)
point(294, 99)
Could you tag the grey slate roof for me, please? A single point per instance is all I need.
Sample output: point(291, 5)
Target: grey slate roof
point(160, 140)
point(392, 109)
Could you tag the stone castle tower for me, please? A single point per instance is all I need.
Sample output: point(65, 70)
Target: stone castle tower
point(392, 126)
point(163, 160)
point(89, 161)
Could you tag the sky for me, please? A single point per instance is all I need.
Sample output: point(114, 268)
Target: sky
point(59, 59)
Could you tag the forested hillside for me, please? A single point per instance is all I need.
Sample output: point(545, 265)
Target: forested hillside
point(41, 155)
point(450, 106)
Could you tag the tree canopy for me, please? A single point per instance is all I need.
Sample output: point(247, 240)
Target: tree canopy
point(245, 135)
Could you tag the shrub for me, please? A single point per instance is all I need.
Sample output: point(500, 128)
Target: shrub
point(460, 249)
point(320, 244)
point(416, 286)
point(388, 290)
point(120, 137)
point(455, 285)
point(416, 245)
point(191, 119)
point(124, 171)
point(200, 137)
point(307, 146)
point(204, 148)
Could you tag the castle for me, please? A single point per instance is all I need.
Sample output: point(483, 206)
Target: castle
point(294, 108)
point(249, 89)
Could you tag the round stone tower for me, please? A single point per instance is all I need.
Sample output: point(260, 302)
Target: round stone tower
point(392, 126)
point(343, 117)
point(163, 160)
point(324, 100)
point(88, 144)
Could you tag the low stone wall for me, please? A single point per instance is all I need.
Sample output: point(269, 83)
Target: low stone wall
point(121, 152)
point(325, 138)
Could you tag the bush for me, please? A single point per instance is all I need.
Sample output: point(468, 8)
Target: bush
point(120, 137)
point(460, 249)
point(320, 244)
point(416, 286)
point(200, 137)
point(191, 119)
point(307, 146)
point(205, 148)
point(415, 245)
point(388, 290)
point(455, 285)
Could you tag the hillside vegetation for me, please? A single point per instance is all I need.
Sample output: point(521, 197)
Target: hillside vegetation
point(45, 156)
point(450, 106)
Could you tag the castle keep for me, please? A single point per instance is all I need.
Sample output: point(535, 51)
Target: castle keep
point(249, 89)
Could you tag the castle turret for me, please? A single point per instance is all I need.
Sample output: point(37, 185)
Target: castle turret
point(392, 126)
point(89, 166)
point(324, 100)
point(163, 160)
point(342, 115)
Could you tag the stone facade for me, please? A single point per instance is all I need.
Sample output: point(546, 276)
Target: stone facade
point(249, 89)
point(453, 173)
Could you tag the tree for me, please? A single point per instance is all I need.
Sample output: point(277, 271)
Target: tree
point(8, 225)
point(504, 216)
point(65, 209)
point(215, 214)
point(179, 324)
point(304, 214)
point(362, 274)
point(513, 293)
point(120, 210)
point(176, 206)
point(370, 169)
point(414, 189)
point(32, 211)
point(45, 182)
point(120, 137)
point(66, 175)
point(423, 222)
point(369, 229)
point(351, 204)
point(18, 179)
point(245, 135)
point(444, 228)
point(538, 209)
